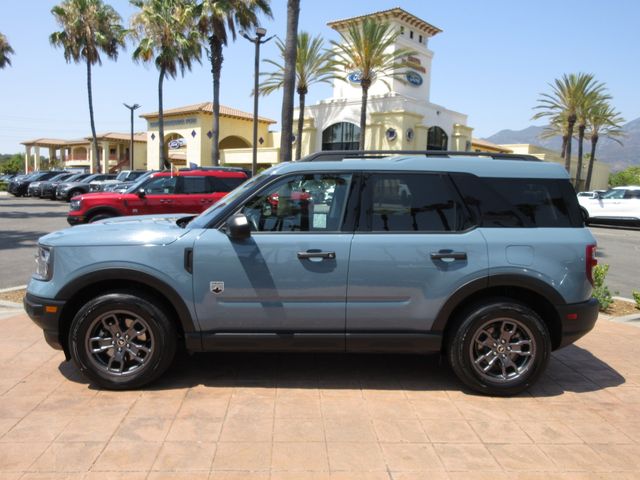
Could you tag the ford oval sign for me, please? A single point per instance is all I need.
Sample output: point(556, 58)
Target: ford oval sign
point(354, 77)
point(414, 78)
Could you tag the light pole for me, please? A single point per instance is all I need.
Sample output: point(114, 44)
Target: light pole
point(133, 107)
point(257, 40)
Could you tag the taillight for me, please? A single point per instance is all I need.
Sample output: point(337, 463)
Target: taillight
point(590, 262)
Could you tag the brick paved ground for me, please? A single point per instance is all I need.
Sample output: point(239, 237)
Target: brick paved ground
point(222, 416)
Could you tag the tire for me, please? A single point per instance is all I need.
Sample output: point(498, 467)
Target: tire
point(100, 216)
point(478, 344)
point(72, 194)
point(107, 320)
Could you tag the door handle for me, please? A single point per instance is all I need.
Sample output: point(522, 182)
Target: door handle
point(448, 255)
point(311, 254)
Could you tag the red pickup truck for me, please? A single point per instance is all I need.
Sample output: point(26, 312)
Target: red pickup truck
point(184, 192)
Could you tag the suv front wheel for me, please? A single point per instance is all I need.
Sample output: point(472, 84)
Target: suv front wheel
point(499, 348)
point(122, 340)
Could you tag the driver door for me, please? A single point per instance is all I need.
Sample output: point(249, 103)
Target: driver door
point(290, 276)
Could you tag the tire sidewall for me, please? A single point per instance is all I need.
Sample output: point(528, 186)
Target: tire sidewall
point(460, 358)
point(159, 324)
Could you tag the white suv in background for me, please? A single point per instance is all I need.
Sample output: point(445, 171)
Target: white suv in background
point(620, 204)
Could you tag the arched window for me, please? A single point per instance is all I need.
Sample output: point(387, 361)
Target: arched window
point(341, 136)
point(437, 139)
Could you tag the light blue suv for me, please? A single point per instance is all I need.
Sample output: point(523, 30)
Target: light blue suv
point(484, 258)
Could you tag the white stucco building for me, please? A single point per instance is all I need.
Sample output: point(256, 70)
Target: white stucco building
point(400, 114)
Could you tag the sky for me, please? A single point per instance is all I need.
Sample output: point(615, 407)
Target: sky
point(492, 60)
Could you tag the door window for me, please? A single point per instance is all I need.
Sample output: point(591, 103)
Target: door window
point(194, 185)
point(412, 202)
point(300, 203)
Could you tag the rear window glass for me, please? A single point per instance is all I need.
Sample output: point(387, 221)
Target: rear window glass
point(520, 202)
point(225, 184)
point(194, 185)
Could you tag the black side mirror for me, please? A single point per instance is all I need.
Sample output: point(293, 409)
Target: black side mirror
point(238, 227)
point(141, 193)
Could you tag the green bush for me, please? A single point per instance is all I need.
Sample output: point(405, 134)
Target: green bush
point(600, 290)
point(636, 297)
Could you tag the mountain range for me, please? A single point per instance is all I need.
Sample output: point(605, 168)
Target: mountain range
point(609, 151)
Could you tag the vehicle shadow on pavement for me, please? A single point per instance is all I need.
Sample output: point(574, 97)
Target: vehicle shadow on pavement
point(12, 239)
point(15, 214)
point(571, 369)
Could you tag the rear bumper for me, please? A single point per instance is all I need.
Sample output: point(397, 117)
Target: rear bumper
point(577, 320)
point(46, 314)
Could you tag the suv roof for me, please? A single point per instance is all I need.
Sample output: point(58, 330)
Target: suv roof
point(201, 173)
point(339, 155)
point(480, 164)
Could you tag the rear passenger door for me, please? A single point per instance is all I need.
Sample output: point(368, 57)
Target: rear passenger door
point(414, 246)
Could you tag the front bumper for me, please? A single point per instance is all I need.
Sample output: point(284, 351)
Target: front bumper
point(76, 219)
point(46, 314)
point(577, 319)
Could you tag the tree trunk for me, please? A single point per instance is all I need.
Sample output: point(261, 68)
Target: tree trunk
point(581, 129)
point(567, 159)
point(163, 160)
point(365, 84)
point(302, 96)
point(565, 139)
point(289, 84)
point(216, 67)
point(94, 137)
point(594, 141)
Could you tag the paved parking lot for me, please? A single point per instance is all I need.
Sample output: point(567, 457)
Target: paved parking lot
point(223, 416)
point(22, 222)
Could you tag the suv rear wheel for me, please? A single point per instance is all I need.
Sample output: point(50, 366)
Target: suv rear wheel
point(122, 340)
point(500, 347)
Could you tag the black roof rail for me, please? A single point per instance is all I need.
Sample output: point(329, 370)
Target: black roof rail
point(339, 155)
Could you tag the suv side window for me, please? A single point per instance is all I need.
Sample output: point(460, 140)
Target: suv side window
point(193, 185)
point(302, 203)
point(161, 185)
point(412, 202)
point(520, 202)
point(632, 194)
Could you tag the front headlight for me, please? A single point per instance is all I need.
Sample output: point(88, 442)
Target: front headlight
point(75, 204)
point(44, 259)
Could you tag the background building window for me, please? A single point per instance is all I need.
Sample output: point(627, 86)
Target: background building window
point(341, 136)
point(437, 139)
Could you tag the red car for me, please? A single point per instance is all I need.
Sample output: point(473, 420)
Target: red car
point(184, 192)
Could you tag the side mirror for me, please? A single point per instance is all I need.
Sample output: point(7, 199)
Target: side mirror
point(238, 227)
point(141, 193)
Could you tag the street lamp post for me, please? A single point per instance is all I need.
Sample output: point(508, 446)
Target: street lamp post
point(133, 107)
point(257, 40)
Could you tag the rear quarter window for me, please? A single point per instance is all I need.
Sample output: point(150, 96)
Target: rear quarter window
point(520, 202)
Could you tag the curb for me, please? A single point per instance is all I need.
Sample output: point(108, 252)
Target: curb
point(4, 304)
point(13, 289)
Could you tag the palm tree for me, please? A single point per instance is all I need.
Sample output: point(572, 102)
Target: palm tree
point(313, 65)
point(557, 127)
point(218, 21)
point(289, 80)
point(5, 51)
point(565, 98)
point(602, 120)
point(89, 28)
point(366, 48)
point(167, 35)
point(588, 103)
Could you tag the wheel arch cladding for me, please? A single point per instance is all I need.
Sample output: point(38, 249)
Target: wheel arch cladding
point(535, 294)
point(82, 289)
